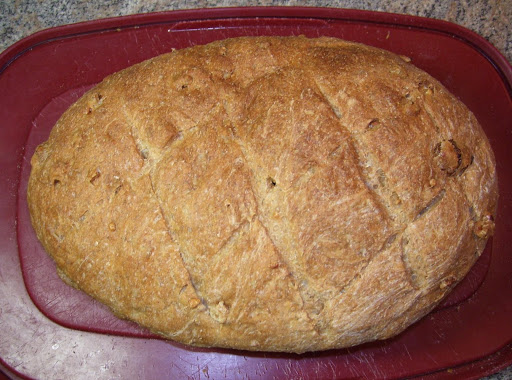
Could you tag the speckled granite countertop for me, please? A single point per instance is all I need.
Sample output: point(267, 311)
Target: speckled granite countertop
point(489, 18)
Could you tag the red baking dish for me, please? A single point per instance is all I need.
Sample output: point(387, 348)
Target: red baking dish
point(49, 330)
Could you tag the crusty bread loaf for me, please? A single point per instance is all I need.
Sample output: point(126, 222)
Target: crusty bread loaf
point(278, 194)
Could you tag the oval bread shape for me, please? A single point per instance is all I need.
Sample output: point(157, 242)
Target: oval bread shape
point(266, 193)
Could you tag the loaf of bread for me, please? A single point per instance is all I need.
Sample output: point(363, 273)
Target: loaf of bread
point(266, 193)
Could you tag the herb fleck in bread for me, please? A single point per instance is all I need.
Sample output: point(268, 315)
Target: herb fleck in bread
point(265, 193)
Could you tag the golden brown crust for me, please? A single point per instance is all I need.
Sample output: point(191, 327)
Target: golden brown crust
point(279, 194)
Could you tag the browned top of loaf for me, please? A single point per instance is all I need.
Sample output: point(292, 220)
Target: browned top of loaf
point(281, 194)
